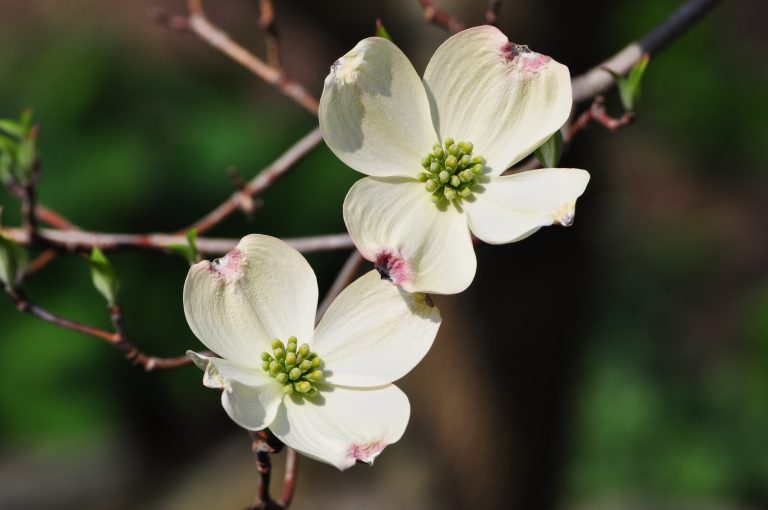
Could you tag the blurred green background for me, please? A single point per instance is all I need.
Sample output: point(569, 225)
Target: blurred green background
point(621, 363)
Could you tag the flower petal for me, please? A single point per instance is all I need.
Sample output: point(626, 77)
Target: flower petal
point(374, 112)
point(343, 425)
point(261, 290)
point(250, 397)
point(502, 97)
point(422, 248)
point(513, 207)
point(374, 333)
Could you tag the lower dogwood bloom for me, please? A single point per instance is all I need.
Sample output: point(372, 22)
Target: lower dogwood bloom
point(435, 150)
point(325, 391)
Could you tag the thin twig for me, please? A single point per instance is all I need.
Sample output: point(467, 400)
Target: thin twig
point(80, 241)
point(596, 113)
point(263, 443)
point(39, 262)
point(439, 17)
point(271, 38)
point(116, 339)
point(264, 466)
point(346, 274)
point(291, 472)
point(216, 37)
point(597, 81)
point(492, 12)
point(53, 218)
point(170, 21)
point(259, 184)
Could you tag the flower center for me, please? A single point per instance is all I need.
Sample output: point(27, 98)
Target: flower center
point(451, 171)
point(297, 368)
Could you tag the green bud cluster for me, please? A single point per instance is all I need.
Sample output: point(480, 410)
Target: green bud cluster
point(295, 367)
point(451, 171)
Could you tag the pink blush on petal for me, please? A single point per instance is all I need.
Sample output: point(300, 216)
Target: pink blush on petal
point(522, 55)
point(365, 452)
point(228, 266)
point(391, 267)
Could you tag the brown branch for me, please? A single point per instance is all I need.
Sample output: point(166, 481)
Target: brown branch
point(39, 262)
point(345, 276)
point(53, 218)
point(199, 24)
point(116, 339)
point(263, 443)
point(264, 466)
point(596, 113)
point(77, 241)
point(291, 472)
point(170, 21)
point(439, 17)
point(492, 12)
point(271, 37)
point(259, 184)
point(597, 81)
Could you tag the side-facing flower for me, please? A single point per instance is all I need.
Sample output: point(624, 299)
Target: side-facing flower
point(324, 391)
point(435, 151)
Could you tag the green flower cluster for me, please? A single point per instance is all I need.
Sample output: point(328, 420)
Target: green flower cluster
point(297, 368)
point(451, 171)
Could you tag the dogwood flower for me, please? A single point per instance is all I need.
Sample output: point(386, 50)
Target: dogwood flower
point(435, 151)
point(324, 391)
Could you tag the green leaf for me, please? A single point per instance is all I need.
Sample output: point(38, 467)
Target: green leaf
point(18, 149)
point(26, 156)
point(629, 86)
point(634, 79)
point(8, 146)
point(550, 151)
point(11, 128)
point(381, 31)
point(192, 243)
point(12, 261)
point(188, 251)
point(103, 276)
point(181, 250)
point(6, 167)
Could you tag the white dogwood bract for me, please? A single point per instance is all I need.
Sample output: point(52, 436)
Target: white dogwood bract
point(435, 150)
point(324, 391)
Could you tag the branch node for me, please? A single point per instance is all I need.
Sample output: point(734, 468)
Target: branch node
point(167, 20)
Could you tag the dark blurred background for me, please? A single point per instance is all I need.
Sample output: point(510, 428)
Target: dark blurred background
point(618, 364)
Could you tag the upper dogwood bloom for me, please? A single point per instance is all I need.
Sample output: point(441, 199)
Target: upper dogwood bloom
point(324, 391)
point(435, 150)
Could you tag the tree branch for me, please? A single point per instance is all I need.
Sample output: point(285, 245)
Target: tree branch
point(116, 339)
point(291, 472)
point(259, 184)
point(439, 17)
point(53, 218)
point(83, 241)
point(199, 24)
point(596, 113)
point(597, 81)
point(263, 443)
point(492, 12)
point(271, 38)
